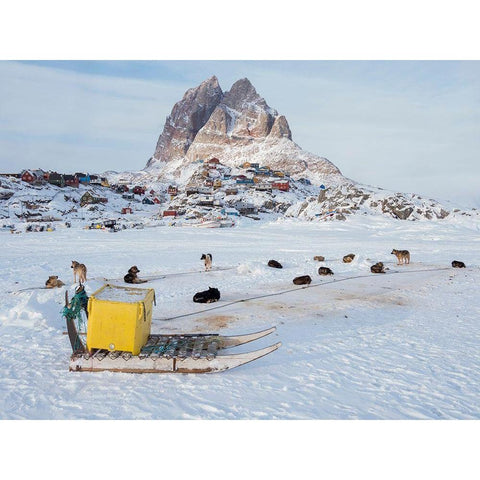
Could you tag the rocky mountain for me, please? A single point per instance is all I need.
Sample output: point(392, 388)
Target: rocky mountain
point(235, 126)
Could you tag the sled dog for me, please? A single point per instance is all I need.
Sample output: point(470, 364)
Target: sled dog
point(457, 264)
point(53, 282)
point(207, 296)
point(274, 264)
point(302, 280)
point(80, 270)
point(131, 276)
point(348, 258)
point(403, 256)
point(378, 268)
point(319, 258)
point(324, 271)
point(207, 258)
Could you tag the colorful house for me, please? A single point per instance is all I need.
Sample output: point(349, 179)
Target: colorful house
point(283, 185)
point(169, 213)
point(172, 190)
point(244, 181)
point(137, 190)
point(83, 178)
point(71, 181)
point(28, 176)
point(56, 179)
point(89, 198)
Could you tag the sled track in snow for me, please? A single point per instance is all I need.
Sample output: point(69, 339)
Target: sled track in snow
point(284, 292)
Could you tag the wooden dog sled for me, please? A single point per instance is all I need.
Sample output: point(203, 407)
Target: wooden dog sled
point(163, 353)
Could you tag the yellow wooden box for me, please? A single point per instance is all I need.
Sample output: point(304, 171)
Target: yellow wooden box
point(119, 318)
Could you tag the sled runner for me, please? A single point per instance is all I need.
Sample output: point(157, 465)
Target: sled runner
point(161, 353)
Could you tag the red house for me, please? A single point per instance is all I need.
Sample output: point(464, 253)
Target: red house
point(169, 213)
point(156, 200)
point(28, 176)
point(139, 190)
point(283, 185)
point(71, 181)
point(126, 210)
point(172, 190)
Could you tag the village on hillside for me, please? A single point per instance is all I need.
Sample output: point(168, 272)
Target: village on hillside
point(213, 193)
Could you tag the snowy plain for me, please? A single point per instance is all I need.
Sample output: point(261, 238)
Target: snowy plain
point(355, 345)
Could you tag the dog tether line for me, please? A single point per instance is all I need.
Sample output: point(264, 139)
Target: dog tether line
point(283, 292)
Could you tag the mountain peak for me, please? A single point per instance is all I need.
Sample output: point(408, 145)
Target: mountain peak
point(243, 95)
point(235, 126)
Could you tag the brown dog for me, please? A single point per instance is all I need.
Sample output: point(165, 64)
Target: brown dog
point(131, 276)
point(378, 268)
point(54, 282)
point(302, 280)
point(80, 270)
point(348, 258)
point(458, 264)
point(403, 256)
point(324, 271)
point(319, 258)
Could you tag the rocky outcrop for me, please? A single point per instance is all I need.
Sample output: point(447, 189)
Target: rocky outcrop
point(347, 199)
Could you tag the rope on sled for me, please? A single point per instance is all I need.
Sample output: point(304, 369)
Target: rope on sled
point(283, 292)
point(73, 311)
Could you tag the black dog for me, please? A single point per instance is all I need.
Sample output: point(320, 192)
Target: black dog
point(302, 280)
point(131, 276)
point(324, 271)
point(457, 264)
point(207, 296)
point(274, 264)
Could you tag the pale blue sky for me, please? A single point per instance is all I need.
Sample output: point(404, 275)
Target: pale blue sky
point(411, 126)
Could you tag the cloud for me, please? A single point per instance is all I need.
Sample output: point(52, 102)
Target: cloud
point(50, 115)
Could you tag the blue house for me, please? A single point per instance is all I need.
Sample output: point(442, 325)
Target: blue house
point(233, 212)
point(83, 178)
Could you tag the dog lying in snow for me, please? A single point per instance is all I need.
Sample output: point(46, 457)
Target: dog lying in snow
point(348, 258)
point(131, 276)
point(80, 270)
point(274, 264)
point(324, 271)
point(378, 268)
point(302, 280)
point(207, 296)
point(54, 282)
point(457, 264)
point(319, 258)
point(207, 258)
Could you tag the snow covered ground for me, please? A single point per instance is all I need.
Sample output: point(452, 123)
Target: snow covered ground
point(404, 345)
